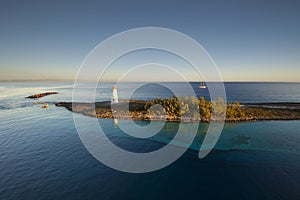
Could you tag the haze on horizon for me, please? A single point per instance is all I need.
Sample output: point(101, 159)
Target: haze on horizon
point(248, 40)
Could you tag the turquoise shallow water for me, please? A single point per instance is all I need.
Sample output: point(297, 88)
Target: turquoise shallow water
point(42, 157)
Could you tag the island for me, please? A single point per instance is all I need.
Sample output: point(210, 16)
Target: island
point(183, 109)
point(37, 96)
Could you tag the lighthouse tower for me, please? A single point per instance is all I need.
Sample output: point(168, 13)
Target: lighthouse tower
point(115, 98)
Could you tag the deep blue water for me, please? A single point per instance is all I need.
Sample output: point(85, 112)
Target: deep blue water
point(42, 157)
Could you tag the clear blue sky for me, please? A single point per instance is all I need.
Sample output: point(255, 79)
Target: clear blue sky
point(248, 40)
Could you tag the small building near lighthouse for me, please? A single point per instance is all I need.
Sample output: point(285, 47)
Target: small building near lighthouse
point(115, 98)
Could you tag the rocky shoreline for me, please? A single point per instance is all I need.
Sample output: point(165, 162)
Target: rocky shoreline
point(137, 111)
point(37, 96)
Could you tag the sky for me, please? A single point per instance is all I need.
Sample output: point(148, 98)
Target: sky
point(248, 40)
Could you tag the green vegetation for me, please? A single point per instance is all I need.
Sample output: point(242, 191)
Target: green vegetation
point(200, 109)
point(187, 107)
point(234, 111)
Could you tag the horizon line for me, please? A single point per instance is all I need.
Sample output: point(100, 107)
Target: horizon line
point(193, 81)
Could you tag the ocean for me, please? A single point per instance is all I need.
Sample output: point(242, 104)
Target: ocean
point(42, 156)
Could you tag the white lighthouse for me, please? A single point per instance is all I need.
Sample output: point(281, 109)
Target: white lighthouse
point(115, 98)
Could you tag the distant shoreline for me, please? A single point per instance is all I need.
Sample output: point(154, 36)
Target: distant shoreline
point(137, 111)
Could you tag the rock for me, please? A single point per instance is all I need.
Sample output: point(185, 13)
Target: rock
point(37, 96)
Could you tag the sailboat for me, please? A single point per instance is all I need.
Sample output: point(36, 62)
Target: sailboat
point(202, 85)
